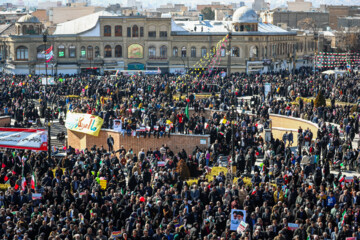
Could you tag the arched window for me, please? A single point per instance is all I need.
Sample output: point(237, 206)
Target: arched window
point(163, 52)
point(82, 52)
point(223, 52)
point(183, 52)
point(22, 53)
point(24, 30)
point(135, 31)
point(97, 52)
point(118, 51)
point(40, 51)
point(203, 51)
point(235, 52)
point(90, 53)
point(31, 30)
point(72, 51)
point(152, 52)
point(107, 51)
point(193, 52)
point(61, 51)
point(118, 31)
point(213, 51)
point(175, 51)
point(18, 30)
point(107, 31)
point(253, 52)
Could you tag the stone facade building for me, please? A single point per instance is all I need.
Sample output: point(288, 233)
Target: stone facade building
point(104, 43)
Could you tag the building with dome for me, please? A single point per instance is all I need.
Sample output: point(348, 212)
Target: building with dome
point(103, 42)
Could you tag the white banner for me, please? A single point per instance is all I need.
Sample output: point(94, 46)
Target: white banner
point(49, 81)
point(23, 138)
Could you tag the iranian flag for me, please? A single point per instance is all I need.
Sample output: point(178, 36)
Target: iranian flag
point(33, 181)
point(342, 178)
point(23, 183)
point(343, 218)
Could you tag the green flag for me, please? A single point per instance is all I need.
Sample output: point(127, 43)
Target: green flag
point(187, 111)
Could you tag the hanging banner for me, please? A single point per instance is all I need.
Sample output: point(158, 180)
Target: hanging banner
point(84, 123)
point(48, 81)
point(24, 138)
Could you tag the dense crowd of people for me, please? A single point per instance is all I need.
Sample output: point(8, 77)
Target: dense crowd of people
point(291, 194)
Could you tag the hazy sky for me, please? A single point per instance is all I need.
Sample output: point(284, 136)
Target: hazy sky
point(193, 3)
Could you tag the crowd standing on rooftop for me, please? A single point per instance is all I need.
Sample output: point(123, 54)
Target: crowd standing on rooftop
point(290, 195)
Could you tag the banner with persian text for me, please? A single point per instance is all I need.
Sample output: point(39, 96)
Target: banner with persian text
point(84, 123)
point(24, 138)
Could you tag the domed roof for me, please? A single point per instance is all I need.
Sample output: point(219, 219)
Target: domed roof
point(245, 15)
point(28, 19)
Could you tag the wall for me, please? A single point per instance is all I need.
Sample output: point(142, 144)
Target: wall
point(5, 121)
point(176, 142)
point(279, 121)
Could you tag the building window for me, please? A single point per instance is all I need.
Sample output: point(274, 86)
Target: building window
point(24, 29)
point(235, 52)
point(107, 51)
point(265, 52)
point(40, 51)
point(107, 31)
point(141, 31)
point(118, 31)
point(61, 51)
point(135, 31)
point(253, 52)
point(163, 52)
point(128, 33)
point(213, 51)
point(118, 51)
point(203, 51)
point(152, 34)
point(163, 34)
point(72, 51)
point(22, 53)
point(175, 51)
point(90, 55)
point(183, 52)
point(82, 52)
point(193, 52)
point(222, 52)
point(97, 52)
point(152, 52)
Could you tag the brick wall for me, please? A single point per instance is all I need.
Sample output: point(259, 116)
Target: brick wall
point(176, 142)
point(5, 121)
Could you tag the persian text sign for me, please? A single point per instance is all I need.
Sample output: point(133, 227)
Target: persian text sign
point(23, 138)
point(85, 123)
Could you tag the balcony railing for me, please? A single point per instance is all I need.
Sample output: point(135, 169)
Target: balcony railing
point(158, 58)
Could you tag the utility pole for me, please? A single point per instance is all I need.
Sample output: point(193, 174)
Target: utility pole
point(229, 54)
point(232, 118)
point(47, 109)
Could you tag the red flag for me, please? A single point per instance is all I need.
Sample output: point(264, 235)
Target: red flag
point(3, 165)
point(6, 178)
point(16, 187)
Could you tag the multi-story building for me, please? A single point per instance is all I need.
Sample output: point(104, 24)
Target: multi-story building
point(105, 42)
point(291, 19)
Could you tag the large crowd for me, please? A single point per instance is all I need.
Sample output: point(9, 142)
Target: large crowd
point(291, 194)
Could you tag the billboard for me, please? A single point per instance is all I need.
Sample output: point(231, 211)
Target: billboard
point(24, 138)
point(84, 123)
point(135, 51)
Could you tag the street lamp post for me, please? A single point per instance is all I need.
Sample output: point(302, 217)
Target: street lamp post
point(47, 109)
point(232, 118)
point(229, 55)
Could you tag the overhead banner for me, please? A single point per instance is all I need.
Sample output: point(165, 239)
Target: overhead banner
point(84, 123)
point(24, 138)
